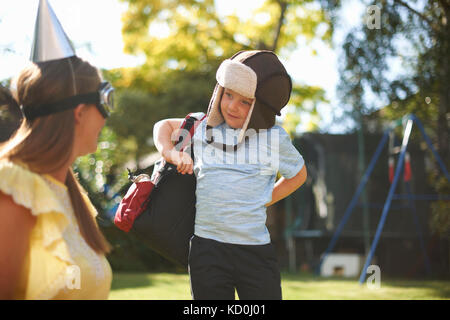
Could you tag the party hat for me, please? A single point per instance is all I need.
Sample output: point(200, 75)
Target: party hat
point(50, 41)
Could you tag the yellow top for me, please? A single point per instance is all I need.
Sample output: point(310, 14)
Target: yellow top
point(59, 263)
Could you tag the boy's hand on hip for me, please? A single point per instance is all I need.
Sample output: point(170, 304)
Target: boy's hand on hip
point(181, 159)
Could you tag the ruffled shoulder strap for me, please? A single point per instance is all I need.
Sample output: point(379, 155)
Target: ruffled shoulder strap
point(28, 189)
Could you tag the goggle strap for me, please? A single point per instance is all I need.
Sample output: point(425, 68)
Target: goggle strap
point(33, 112)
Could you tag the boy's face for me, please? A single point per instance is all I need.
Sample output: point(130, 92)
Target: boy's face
point(235, 108)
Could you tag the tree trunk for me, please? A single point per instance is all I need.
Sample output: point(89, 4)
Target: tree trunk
point(283, 7)
point(443, 134)
point(444, 95)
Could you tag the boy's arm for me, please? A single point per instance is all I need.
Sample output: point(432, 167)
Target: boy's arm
point(285, 187)
point(164, 133)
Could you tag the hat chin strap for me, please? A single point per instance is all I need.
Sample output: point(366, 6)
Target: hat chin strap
point(214, 116)
point(247, 120)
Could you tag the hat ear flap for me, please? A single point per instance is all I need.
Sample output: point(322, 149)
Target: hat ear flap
point(214, 115)
point(245, 125)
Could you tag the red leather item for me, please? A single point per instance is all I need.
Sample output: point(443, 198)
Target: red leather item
point(138, 195)
point(391, 169)
point(407, 172)
point(132, 205)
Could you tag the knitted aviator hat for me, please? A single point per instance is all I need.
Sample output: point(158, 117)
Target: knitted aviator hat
point(258, 75)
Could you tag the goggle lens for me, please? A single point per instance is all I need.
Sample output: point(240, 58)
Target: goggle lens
point(106, 94)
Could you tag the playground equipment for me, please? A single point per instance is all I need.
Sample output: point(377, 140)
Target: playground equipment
point(407, 122)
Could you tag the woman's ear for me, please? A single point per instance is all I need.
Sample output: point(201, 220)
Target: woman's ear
point(78, 112)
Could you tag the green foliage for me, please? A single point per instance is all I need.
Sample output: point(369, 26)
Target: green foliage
point(190, 34)
point(308, 97)
point(418, 42)
point(440, 210)
point(138, 110)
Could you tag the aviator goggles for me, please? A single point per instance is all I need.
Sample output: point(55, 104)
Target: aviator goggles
point(103, 99)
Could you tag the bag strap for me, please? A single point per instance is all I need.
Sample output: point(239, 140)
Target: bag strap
point(189, 124)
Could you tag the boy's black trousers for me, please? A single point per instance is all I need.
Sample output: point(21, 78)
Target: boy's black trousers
point(216, 269)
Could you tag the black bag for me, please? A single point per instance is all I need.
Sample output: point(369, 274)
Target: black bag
point(167, 223)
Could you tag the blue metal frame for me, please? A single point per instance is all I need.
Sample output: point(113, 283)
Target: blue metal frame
point(354, 200)
point(410, 119)
point(387, 204)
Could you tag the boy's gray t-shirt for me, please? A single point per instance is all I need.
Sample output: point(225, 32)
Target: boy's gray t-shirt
point(234, 186)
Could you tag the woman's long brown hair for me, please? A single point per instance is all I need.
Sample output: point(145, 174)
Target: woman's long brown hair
point(45, 144)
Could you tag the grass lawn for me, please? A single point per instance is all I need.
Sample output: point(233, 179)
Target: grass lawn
point(168, 286)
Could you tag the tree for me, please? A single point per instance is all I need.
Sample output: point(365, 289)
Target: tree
point(138, 110)
point(190, 36)
point(415, 35)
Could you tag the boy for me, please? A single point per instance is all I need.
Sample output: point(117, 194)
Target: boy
point(231, 246)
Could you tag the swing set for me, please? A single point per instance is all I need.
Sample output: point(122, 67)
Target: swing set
point(394, 177)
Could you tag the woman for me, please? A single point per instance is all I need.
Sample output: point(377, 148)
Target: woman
point(50, 244)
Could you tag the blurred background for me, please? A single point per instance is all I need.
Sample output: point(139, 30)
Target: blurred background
point(356, 67)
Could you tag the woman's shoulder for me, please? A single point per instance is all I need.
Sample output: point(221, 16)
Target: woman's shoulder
point(27, 189)
point(24, 190)
point(15, 214)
